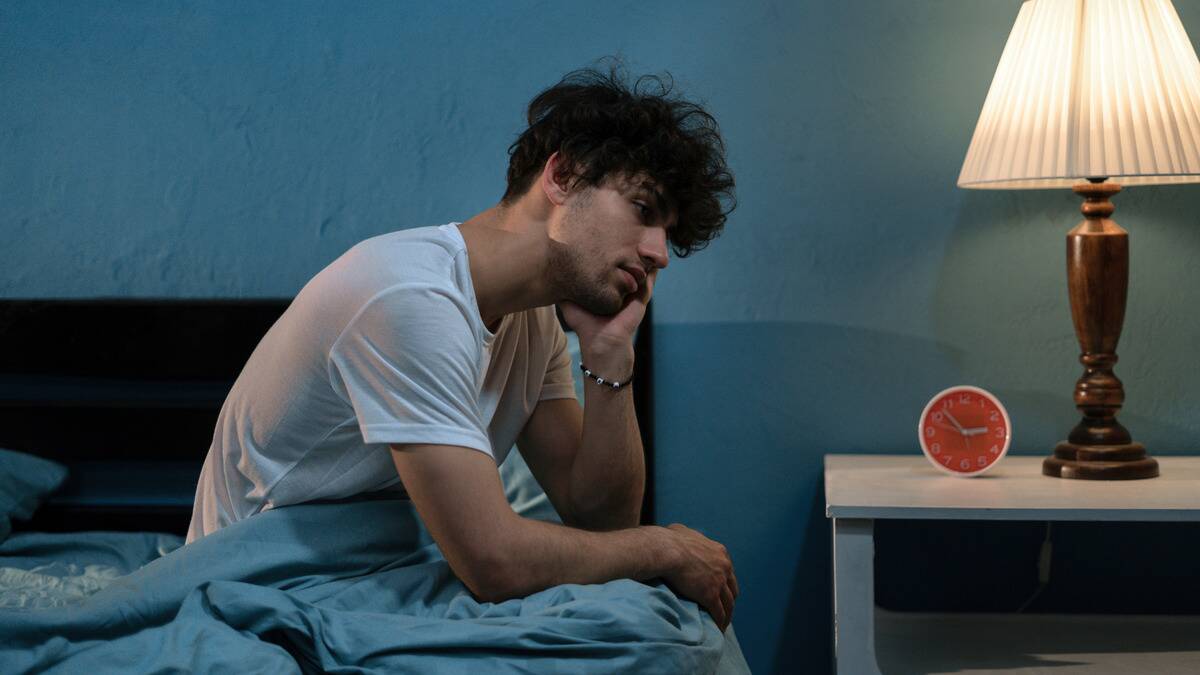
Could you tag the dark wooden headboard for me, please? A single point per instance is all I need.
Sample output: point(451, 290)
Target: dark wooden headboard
point(126, 393)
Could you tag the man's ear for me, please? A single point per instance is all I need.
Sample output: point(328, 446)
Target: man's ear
point(555, 188)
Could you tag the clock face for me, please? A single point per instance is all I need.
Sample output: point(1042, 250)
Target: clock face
point(964, 431)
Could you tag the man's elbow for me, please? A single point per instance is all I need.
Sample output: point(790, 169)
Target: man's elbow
point(489, 585)
point(490, 576)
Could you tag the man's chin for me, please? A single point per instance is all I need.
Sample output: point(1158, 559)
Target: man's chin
point(602, 306)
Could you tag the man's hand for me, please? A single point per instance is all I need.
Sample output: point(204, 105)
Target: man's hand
point(602, 336)
point(704, 574)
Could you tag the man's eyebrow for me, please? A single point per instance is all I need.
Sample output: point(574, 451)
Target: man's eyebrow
point(657, 198)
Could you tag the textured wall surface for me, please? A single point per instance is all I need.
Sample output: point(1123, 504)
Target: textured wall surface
point(197, 149)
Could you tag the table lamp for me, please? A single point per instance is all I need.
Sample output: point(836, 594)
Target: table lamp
point(1092, 94)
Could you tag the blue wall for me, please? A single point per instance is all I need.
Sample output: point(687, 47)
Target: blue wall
point(232, 150)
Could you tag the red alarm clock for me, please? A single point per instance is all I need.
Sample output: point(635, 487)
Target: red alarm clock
point(964, 431)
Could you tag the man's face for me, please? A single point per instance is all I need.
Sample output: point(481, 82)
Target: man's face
point(611, 237)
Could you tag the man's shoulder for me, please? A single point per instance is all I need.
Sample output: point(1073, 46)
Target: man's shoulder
point(417, 243)
point(406, 272)
point(429, 256)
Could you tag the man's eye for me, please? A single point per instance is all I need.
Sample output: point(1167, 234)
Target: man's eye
point(642, 208)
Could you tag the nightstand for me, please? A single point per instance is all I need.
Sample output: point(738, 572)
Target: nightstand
point(867, 641)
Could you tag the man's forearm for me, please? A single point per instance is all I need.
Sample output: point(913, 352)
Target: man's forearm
point(608, 476)
point(538, 555)
point(517, 556)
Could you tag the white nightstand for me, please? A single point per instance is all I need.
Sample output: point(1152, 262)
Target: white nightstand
point(862, 488)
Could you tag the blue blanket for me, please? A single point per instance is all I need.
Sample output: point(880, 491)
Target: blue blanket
point(352, 587)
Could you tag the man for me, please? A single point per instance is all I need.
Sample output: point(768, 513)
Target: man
point(415, 360)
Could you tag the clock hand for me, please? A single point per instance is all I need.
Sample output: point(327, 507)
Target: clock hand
point(974, 431)
point(947, 426)
point(956, 424)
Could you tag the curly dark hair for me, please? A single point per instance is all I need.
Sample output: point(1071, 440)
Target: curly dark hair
point(604, 128)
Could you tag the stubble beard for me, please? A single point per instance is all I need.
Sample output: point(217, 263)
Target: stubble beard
point(569, 272)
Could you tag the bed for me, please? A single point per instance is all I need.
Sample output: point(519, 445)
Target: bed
point(106, 411)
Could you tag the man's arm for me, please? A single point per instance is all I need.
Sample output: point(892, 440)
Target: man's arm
point(500, 555)
point(592, 466)
point(590, 462)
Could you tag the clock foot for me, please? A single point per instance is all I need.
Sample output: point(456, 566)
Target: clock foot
point(1126, 461)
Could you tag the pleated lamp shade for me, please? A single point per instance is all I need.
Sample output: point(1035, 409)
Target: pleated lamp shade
point(1090, 88)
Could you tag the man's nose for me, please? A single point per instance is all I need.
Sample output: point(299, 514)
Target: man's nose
point(653, 248)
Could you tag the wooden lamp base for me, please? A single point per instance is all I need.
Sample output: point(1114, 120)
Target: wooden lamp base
point(1099, 447)
point(1100, 462)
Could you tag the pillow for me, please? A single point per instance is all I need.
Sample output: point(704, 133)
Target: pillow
point(25, 481)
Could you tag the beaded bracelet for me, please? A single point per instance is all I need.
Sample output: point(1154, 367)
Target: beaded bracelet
point(603, 382)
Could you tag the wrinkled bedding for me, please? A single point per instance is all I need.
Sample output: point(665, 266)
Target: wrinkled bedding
point(47, 570)
point(354, 587)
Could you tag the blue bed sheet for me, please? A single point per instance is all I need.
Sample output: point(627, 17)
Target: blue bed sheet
point(355, 587)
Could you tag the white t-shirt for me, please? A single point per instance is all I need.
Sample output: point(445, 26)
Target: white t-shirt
point(385, 345)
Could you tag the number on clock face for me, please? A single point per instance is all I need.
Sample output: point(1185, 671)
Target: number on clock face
point(964, 431)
